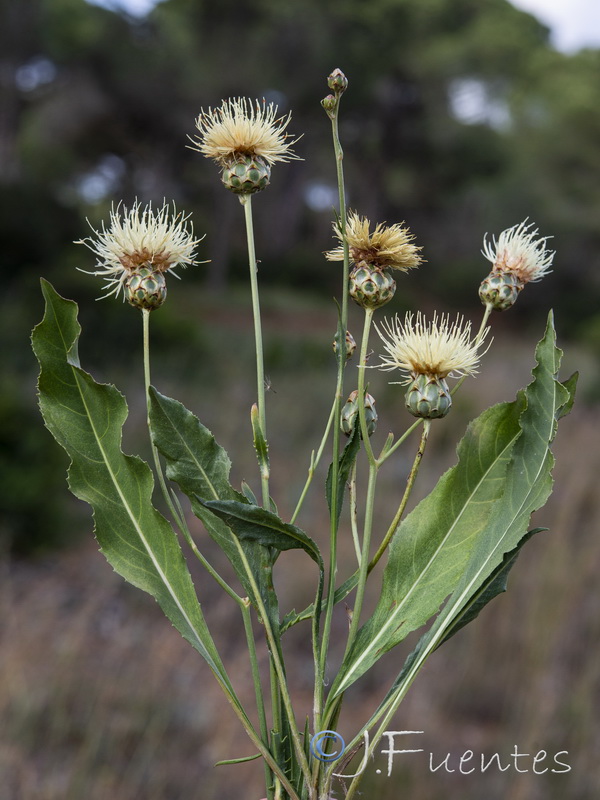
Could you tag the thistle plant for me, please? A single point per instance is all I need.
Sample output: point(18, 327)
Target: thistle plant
point(452, 552)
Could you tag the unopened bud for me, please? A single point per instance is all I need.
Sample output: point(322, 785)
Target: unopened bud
point(428, 397)
point(329, 103)
point(350, 345)
point(337, 81)
point(246, 175)
point(349, 417)
point(500, 290)
point(146, 288)
point(370, 286)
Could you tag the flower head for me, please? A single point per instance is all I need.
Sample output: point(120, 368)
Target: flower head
point(437, 349)
point(243, 128)
point(519, 252)
point(388, 247)
point(140, 238)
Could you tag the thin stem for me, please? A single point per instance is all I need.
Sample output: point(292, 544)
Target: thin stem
point(314, 461)
point(260, 702)
point(246, 201)
point(409, 485)
point(486, 315)
point(179, 518)
point(206, 564)
point(388, 451)
point(364, 557)
point(171, 500)
point(361, 386)
point(278, 667)
point(339, 389)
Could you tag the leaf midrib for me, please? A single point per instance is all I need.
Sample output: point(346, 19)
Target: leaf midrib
point(424, 571)
point(125, 504)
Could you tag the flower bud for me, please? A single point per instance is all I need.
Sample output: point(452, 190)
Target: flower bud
point(246, 175)
point(500, 290)
point(370, 286)
point(337, 81)
point(349, 417)
point(349, 343)
point(329, 103)
point(146, 288)
point(428, 397)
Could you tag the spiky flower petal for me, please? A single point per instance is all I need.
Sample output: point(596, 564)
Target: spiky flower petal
point(437, 348)
point(140, 238)
point(387, 247)
point(241, 128)
point(519, 252)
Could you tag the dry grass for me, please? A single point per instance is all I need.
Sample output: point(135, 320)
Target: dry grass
point(101, 700)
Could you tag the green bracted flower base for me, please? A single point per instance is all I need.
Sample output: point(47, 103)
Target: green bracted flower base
point(428, 397)
point(146, 288)
point(246, 175)
point(500, 290)
point(370, 286)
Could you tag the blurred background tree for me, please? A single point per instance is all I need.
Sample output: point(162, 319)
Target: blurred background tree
point(461, 119)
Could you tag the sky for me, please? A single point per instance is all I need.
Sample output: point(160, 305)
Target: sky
point(574, 23)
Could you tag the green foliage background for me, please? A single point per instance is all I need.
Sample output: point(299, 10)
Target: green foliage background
point(97, 107)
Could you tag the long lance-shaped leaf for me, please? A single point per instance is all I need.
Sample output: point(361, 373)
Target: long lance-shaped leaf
point(528, 483)
point(201, 468)
point(86, 418)
point(432, 545)
point(495, 584)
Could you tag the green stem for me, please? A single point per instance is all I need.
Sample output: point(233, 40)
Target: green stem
point(314, 461)
point(486, 315)
point(180, 519)
point(171, 501)
point(390, 450)
point(339, 389)
point(246, 201)
point(201, 558)
point(361, 386)
point(363, 570)
point(409, 485)
point(260, 702)
point(279, 669)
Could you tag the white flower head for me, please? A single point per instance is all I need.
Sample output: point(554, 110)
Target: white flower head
point(241, 127)
point(520, 251)
point(140, 237)
point(437, 348)
point(386, 247)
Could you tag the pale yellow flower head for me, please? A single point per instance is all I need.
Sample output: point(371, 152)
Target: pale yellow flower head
point(437, 348)
point(518, 251)
point(387, 247)
point(140, 237)
point(240, 127)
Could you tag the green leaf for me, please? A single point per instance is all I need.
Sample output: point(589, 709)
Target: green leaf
point(200, 467)
point(496, 584)
point(346, 462)
point(257, 525)
point(477, 513)
point(528, 483)
point(242, 760)
point(432, 545)
point(253, 523)
point(86, 418)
